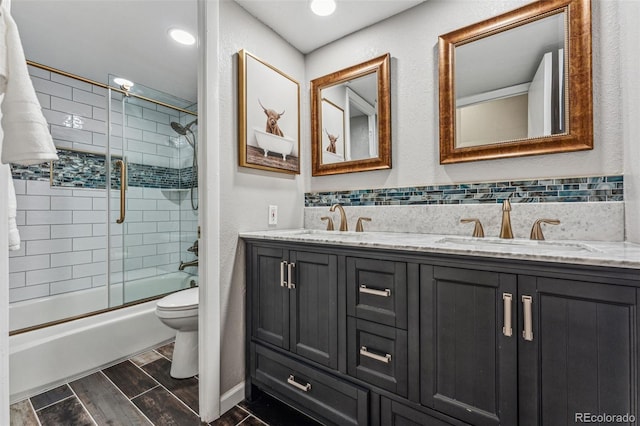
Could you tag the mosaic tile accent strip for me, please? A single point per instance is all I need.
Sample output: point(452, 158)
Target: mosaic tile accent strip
point(562, 190)
point(76, 169)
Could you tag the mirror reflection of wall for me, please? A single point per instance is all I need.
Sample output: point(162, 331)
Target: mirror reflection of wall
point(349, 113)
point(511, 85)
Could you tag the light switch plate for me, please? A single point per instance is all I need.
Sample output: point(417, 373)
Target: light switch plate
point(273, 215)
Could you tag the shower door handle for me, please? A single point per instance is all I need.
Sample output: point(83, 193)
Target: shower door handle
point(123, 198)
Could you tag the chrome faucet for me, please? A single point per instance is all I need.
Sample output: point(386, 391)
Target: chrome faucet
point(505, 228)
point(343, 216)
point(186, 264)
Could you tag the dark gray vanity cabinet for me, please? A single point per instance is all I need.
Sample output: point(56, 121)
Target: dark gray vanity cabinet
point(294, 302)
point(507, 349)
point(362, 336)
point(582, 355)
point(468, 365)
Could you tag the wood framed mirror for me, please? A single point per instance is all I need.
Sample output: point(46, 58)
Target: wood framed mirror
point(351, 119)
point(517, 84)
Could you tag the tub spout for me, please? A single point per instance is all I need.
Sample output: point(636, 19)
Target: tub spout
point(186, 264)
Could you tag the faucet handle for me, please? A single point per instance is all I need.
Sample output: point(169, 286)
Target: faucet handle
point(359, 227)
point(536, 229)
point(194, 248)
point(329, 222)
point(478, 231)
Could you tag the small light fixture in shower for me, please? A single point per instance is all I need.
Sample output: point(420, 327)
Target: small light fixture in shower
point(182, 36)
point(323, 7)
point(124, 84)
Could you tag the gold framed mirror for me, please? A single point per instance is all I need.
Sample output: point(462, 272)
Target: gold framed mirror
point(517, 84)
point(351, 119)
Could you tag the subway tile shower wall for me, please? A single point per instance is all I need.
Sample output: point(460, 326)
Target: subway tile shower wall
point(62, 218)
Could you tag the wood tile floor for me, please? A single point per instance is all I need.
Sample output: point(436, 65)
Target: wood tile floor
point(140, 391)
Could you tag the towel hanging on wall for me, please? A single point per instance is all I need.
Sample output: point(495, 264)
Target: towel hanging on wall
point(26, 134)
point(26, 139)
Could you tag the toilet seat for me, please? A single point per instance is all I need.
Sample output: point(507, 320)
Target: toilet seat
point(176, 313)
point(179, 301)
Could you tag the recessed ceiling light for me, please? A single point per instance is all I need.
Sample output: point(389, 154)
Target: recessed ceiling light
point(323, 7)
point(123, 83)
point(181, 36)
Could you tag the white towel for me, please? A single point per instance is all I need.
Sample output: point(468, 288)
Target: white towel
point(26, 136)
point(14, 236)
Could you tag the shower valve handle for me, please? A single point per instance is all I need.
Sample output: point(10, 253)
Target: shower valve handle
point(194, 248)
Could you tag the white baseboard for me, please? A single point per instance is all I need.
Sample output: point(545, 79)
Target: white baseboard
point(231, 398)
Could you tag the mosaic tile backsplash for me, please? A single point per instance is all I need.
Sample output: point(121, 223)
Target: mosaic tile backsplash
point(85, 170)
point(576, 189)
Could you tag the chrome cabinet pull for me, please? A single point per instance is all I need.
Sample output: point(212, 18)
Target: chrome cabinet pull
point(384, 293)
point(123, 197)
point(527, 333)
point(290, 267)
point(365, 352)
point(292, 381)
point(283, 282)
point(507, 300)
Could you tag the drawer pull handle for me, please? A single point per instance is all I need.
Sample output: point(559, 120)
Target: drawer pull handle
point(290, 267)
point(292, 381)
point(283, 282)
point(527, 333)
point(384, 293)
point(507, 330)
point(386, 358)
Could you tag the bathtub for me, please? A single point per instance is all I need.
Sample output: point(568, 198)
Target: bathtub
point(45, 358)
point(330, 158)
point(273, 143)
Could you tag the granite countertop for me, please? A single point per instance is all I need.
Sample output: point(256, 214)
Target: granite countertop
point(597, 253)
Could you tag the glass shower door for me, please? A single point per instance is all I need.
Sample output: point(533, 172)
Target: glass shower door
point(153, 220)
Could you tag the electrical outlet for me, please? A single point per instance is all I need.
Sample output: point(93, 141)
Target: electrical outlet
point(273, 215)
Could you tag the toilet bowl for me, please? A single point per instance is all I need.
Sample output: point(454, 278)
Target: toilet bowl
point(179, 311)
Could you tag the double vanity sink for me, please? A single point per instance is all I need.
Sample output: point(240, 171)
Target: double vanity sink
point(596, 253)
point(360, 328)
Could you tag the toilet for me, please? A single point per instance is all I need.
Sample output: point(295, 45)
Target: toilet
point(179, 311)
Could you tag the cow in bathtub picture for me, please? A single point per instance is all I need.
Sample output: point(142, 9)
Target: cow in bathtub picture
point(273, 139)
point(331, 154)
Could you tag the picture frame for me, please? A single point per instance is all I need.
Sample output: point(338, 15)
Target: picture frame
point(268, 116)
point(333, 126)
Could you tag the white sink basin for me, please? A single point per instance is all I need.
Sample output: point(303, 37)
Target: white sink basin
point(499, 242)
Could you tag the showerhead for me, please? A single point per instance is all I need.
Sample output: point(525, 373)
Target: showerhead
point(179, 128)
point(182, 130)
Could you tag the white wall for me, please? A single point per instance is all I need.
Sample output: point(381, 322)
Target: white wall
point(4, 288)
point(412, 38)
point(245, 194)
point(629, 14)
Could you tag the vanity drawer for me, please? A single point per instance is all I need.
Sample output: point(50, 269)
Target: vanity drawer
point(322, 396)
point(377, 354)
point(393, 413)
point(377, 291)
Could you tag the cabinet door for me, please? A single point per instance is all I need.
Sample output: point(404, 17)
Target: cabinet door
point(582, 356)
point(468, 364)
point(314, 307)
point(270, 301)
